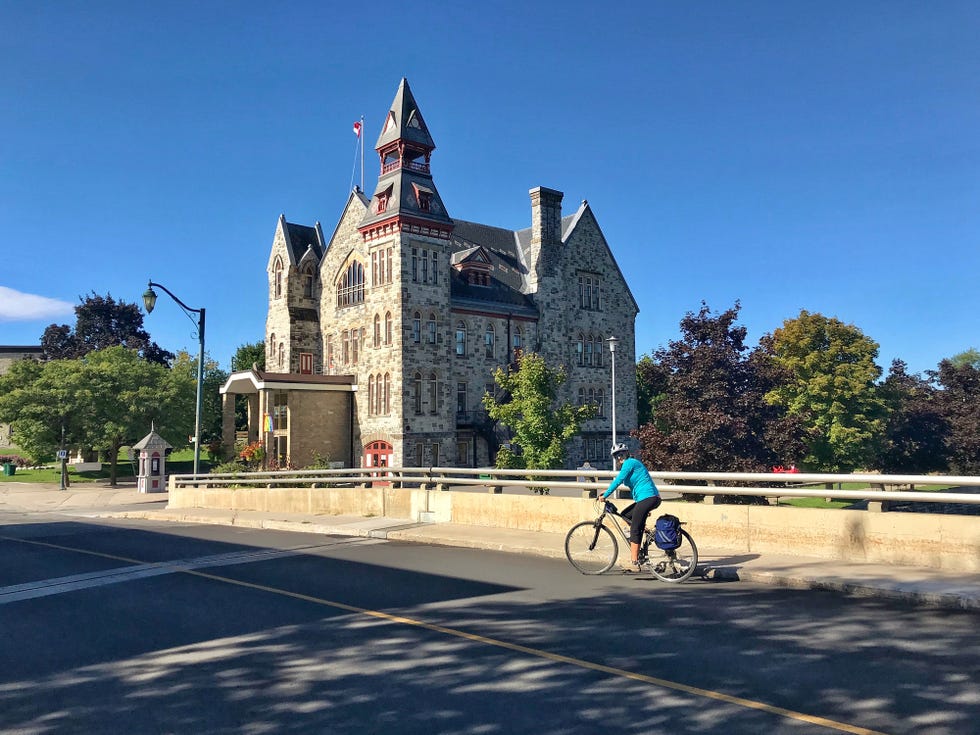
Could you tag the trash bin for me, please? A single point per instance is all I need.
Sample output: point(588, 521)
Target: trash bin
point(9, 468)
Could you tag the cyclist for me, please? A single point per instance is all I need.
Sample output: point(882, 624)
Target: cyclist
point(646, 497)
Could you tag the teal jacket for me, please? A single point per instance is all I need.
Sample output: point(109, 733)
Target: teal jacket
point(635, 476)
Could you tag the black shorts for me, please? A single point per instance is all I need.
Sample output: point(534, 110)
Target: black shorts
point(637, 515)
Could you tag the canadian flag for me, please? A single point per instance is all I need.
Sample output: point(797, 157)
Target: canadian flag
point(357, 129)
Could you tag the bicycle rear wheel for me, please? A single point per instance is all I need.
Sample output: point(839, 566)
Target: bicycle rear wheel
point(675, 565)
point(591, 548)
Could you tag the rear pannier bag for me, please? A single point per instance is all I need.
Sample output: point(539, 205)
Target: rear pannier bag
point(667, 532)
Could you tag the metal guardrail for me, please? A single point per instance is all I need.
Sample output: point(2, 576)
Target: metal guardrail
point(766, 484)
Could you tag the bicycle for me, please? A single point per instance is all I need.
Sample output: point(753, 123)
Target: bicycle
point(592, 548)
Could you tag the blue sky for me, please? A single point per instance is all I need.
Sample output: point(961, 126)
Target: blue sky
point(819, 156)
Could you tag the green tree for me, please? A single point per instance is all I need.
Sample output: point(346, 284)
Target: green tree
point(214, 378)
point(248, 355)
point(105, 400)
point(244, 358)
point(970, 357)
point(101, 322)
point(830, 385)
point(916, 429)
point(529, 407)
point(709, 413)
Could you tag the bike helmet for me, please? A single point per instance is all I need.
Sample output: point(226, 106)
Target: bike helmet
point(619, 449)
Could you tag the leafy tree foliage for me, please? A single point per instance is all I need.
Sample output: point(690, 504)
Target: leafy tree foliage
point(541, 425)
point(831, 373)
point(709, 412)
point(101, 322)
point(214, 378)
point(915, 431)
point(247, 355)
point(105, 400)
point(970, 357)
point(244, 358)
point(960, 401)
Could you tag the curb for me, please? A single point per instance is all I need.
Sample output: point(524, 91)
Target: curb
point(402, 530)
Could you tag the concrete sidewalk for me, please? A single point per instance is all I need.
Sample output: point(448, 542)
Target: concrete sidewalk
point(915, 585)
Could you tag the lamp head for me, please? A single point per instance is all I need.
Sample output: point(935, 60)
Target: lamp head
point(149, 299)
point(612, 343)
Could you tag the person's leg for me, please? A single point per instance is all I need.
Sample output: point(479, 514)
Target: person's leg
point(638, 523)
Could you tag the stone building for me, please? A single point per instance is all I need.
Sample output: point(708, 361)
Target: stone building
point(410, 311)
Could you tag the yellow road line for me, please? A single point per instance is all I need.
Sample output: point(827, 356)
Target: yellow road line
point(485, 640)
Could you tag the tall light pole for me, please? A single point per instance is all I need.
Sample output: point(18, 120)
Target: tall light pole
point(612, 399)
point(149, 301)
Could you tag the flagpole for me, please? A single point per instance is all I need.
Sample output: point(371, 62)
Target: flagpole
point(361, 136)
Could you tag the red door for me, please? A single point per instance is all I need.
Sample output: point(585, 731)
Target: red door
point(378, 454)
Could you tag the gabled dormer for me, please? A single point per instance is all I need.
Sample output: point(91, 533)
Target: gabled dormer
point(473, 265)
point(405, 198)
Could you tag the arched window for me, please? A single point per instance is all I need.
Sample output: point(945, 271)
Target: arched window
point(377, 330)
point(433, 394)
point(460, 338)
point(282, 355)
point(588, 351)
point(270, 353)
point(418, 392)
point(488, 340)
point(600, 400)
point(432, 329)
point(277, 278)
point(350, 288)
point(416, 327)
point(517, 338)
point(582, 399)
point(597, 351)
point(580, 350)
point(371, 395)
point(386, 394)
point(378, 397)
point(388, 339)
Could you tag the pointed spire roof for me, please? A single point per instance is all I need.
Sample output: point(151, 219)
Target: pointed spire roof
point(405, 191)
point(404, 121)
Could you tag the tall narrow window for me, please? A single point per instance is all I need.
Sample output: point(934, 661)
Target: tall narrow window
point(277, 278)
point(415, 264)
point(371, 395)
point(460, 338)
point(282, 356)
point(432, 329)
point(345, 347)
point(416, 327)
point(433, 394)
point(377, 330)
point(425, 267)
point(329, 351)
point(488, 340)
point(435, 267)
point(388, 328)
point(580, 350)
point(308, 282)
point(386, 394)
point(418, 393)
point(460, 397)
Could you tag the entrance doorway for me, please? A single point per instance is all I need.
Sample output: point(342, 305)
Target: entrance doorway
point(378, 454)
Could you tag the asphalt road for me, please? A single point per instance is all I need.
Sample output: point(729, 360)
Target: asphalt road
point(111, 627)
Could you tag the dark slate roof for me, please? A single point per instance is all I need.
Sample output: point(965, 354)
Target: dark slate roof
point(495, 297)
point(499, 243)
point(301, 237)
point(403, 200)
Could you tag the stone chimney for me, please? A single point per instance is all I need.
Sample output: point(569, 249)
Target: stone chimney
point(545, 230)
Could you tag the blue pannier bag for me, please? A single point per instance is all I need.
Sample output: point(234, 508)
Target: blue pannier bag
point(667, 532)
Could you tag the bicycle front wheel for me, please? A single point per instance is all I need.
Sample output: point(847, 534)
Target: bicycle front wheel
point(591, 548)
point(675, 565)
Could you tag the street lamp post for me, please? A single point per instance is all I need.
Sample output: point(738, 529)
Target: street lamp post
point(612, 399)
point(149, 301)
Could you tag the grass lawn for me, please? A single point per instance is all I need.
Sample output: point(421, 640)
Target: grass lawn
point(181, 462)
